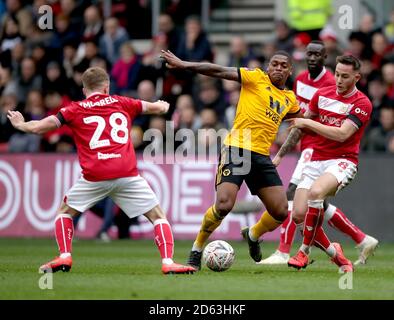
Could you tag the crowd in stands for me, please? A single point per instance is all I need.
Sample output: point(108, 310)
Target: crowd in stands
point(41, 69)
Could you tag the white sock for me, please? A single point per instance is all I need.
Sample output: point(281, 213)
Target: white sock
point(196, 248)
point(306, 249)
point(65, 255)
point(167, 261)
point(328, 214)
point(331, 251)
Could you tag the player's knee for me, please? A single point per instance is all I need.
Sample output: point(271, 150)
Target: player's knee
point(280, 212)
point(315, 193)
point(223, 205)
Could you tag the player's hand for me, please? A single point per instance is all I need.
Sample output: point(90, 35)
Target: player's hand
point(164, 106)
point(172, 61)
point(276, 161)
point(299, 123)
point(16, 118)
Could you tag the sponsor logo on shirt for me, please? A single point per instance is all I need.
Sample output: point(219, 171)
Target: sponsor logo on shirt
point(104, 156)
point(332, 121)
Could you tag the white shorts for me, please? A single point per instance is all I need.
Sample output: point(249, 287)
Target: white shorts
point(343, 170)
point(305, 157)
point(132, 194)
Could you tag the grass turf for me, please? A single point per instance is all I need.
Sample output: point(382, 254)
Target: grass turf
point(130, 269)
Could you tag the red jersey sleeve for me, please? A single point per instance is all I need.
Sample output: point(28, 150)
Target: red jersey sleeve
point(314, 104)
point(69, 112)
point(131, 106)
point(361, 113)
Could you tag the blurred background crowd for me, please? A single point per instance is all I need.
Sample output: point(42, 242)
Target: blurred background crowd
point(41, 68)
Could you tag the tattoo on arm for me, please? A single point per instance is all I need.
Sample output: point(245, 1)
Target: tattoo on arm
point(292, 139)
point(214, 70)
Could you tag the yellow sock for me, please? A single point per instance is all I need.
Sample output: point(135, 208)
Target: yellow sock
point(211, 221)
point(265, 224)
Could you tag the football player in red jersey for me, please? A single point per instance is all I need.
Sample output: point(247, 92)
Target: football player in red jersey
point(339, 115)
point(101, 128)
point(305, 86)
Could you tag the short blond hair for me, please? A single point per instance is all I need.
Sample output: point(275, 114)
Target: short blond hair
point(95, 78)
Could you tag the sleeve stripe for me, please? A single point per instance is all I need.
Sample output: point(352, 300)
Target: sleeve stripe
point(353, 123)
point(144, 106)
point(239, 75)
point(56, 120)
point(355, 120)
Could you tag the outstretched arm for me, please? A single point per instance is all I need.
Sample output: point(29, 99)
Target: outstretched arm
point(34, 126)
point(158, 107)
point(208, 69)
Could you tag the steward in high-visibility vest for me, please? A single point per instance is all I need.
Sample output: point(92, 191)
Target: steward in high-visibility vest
point(307, 15)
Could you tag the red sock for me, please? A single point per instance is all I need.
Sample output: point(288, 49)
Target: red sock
point(343, 224)
point(313, 220)
point(164, 239)
point(64, 231)
point(321, 240)
point(287, 234)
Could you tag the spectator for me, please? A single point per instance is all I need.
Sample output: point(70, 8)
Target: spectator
point(240, 54)
point(54, 79)
point(283, 38)
point(28, 80)
point(194, 44)
point(63, 33)
point(93, 25)
point(185, 115)
point(125, 71)
point(112, 39)
point(377, 94)
point(152, 67)
point(358, 45)
point(91, 52)
point(378, 138)
point(74, 12)
point(388, 76)
point(210, 96)
point(23, 17)
point(70, 58)
point(34, 109)
point(146, 92)
point(330, 40)
point(5, 80)
point(11, 35)
point(381, 48)
point(167, 27)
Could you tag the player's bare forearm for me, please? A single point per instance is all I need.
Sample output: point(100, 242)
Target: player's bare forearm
point(205, 68)
point(34, 126)
point(290, 142)
point(213, 70)
point(339, 134)
point(158, 107)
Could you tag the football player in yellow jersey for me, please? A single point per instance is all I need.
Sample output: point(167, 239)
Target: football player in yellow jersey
point(264, 102)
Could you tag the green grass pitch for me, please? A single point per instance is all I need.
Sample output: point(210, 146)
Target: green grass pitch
point(130, 269)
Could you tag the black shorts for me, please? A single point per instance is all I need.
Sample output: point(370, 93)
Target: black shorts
point(237, 165)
